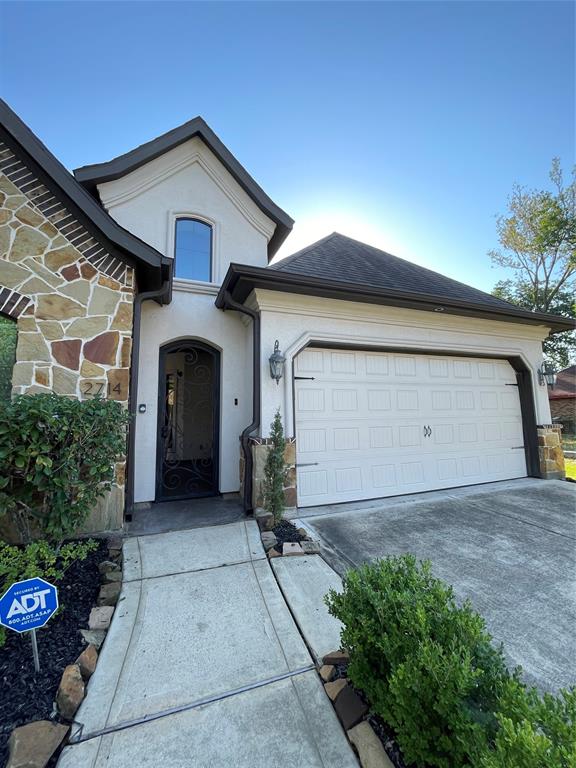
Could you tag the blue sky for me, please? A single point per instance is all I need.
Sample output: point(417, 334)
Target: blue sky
point(401, 123)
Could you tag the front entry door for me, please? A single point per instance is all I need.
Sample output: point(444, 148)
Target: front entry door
point(188, 425)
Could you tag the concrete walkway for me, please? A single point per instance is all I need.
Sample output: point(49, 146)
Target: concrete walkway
point(304, 582)
point(204, 666)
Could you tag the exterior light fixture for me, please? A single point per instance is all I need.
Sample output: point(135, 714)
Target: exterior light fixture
point(277, 361)
point(546, 375)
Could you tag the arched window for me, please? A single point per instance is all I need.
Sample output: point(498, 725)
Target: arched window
point(193, 250)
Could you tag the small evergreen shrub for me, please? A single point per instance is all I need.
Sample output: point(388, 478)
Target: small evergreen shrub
point(426, 664)
point(275, 470)
point(57, 458)
point(534, 731)
point(428, 668)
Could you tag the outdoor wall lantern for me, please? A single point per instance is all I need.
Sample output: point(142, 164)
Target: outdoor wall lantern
point(277, 361)
point(546, 375)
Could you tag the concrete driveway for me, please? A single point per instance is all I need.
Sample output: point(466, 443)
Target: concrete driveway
point(509, 547)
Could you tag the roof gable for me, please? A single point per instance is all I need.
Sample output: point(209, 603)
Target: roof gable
point(92, 175)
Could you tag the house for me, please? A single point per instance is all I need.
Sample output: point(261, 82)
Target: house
point(563, 400)
point(68, 280)
point(150, 278)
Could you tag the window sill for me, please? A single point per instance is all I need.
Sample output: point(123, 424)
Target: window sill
point(195, 286)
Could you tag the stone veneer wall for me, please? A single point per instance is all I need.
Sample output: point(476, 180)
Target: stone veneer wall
point(260, 447)
point(73, 304)
point(550, 452)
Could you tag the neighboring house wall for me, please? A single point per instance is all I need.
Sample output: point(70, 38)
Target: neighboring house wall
point(189, 181)
point(298, 320)
point(563, 400)
point(72, 301)
point(564, 410)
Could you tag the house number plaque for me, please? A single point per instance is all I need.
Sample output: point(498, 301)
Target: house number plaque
point(99, 388)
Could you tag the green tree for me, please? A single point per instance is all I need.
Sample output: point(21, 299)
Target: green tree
point(561, 347)
point(275, 470)
point(538, 244)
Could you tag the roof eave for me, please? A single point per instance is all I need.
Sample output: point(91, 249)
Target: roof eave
point(240, 281)
point(90, 176)
point(135, 251)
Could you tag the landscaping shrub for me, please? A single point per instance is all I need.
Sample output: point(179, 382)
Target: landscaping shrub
point(534, 731)
point(57, 458)
point(426, 664)
point(428, 668)
point(275, 470)
point(39, 559)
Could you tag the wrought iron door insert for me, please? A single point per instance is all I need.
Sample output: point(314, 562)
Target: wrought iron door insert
point(188, 428)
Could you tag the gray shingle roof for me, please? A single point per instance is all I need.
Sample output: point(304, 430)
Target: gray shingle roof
point(340, 258)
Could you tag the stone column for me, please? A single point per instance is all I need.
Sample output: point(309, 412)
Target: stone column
point(260, 447)
point(550, 451)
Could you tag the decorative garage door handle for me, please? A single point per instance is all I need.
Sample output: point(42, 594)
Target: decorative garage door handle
point(427, 431)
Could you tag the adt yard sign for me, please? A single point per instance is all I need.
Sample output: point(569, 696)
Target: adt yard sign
point(27, 605)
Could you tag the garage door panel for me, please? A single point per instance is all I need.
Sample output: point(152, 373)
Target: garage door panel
point(383, 476)
point(379, 399)
point(410, 435)
point(323, 441)
point(381, 437)
point(380, 424)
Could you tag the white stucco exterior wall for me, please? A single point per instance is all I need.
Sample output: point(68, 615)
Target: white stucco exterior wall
point(190, 181)
point(297, 320)
point(226, 332)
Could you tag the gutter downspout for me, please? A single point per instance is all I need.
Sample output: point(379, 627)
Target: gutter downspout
point(158, 295)
point(228, 302)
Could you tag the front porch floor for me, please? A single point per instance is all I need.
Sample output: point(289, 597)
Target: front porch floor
point(164, 516)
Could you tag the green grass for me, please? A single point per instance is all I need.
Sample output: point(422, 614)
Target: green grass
point(571, 468)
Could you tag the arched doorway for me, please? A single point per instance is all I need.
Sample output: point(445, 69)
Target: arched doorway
point(188, 421)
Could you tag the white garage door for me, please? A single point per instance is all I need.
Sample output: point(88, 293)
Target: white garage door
point(371, 424)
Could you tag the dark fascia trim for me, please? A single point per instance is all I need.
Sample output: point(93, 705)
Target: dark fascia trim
point(92, 175)
point(130, 247)
point(241, 280)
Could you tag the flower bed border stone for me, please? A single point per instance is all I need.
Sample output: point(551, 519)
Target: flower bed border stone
point(352, 711)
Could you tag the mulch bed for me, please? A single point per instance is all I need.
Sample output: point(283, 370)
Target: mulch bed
point(286, 531)
point(24, 695)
